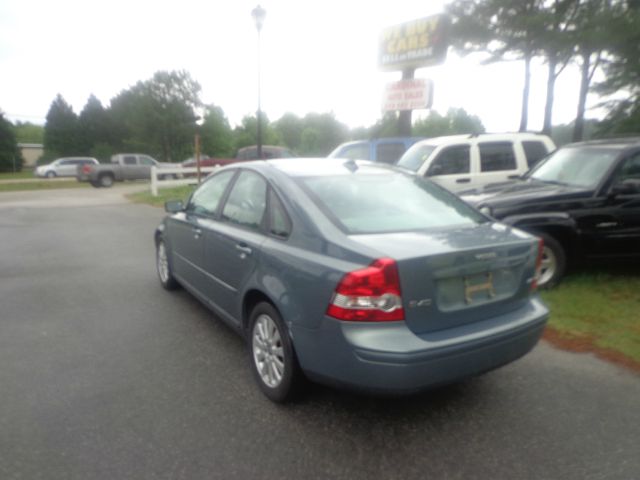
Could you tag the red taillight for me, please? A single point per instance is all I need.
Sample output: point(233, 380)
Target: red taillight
point(371, 294)
point(86, 169)
point(534, 284)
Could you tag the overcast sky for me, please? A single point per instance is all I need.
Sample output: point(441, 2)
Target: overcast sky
point(316, 57)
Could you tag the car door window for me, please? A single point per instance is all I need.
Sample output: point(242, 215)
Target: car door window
point(356, 152)
point(630, 169)
point(451, 161)
point(129, 160)
point(206, 198)
point(279, 222)
point(389, 152)
point(247, 201)
point(534, 151)
point(146, 161)
point(497, 156)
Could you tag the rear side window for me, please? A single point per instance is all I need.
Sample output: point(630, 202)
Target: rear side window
point(497, 156)
point(129, 160)
point(247, 201)
point(534, 151)
point(206, 198)
point(279, 223)
point(451, 161)
point(389, 152)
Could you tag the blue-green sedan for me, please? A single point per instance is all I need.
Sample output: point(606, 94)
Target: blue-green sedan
point(353, 274)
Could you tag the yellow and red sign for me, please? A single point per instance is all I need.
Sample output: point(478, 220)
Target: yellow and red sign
point(414, 44)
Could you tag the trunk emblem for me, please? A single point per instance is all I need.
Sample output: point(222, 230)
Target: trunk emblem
point(486, 256)
point(470, 289)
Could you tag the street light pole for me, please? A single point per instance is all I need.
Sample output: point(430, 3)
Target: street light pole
point(259, 15)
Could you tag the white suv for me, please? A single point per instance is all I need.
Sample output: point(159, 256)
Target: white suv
point(463, 162)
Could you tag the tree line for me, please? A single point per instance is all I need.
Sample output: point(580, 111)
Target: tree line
point(597, 35)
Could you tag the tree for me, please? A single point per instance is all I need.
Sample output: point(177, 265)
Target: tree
point(321, 134)
point(97, 135)
point(10, 155)
point(246, 134)
point(61, 130)
point(216, 134)
point(27, 132)
point(622, 69)
point(290, 128)
point(158, 115)
point(557, 46)
point(591, 39)
point(456, 121)
point(505, 29)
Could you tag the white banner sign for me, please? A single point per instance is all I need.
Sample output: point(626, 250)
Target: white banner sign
point(408, 95)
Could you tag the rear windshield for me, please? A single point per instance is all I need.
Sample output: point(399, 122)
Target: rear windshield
point(415, 157)
point(389, 202)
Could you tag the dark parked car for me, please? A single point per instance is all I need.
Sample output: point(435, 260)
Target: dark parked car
point(583, 201)
point(328, 279)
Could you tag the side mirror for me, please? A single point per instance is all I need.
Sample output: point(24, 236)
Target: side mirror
point(173, 206)
point(630, 186)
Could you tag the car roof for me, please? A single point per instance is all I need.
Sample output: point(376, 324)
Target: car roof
point(303, 167)
point(447, 139)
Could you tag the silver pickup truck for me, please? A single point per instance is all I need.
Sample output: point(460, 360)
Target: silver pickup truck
point(123, 166)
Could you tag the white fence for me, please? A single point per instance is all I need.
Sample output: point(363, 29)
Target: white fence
point(176, 176)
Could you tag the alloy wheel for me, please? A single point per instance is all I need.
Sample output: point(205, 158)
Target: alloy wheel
point(268, 351)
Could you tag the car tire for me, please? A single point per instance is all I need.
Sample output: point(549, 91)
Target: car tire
point(163, 267)
point(272, 356)
point(554, 262)
point(50, 174)
point(106, 181)
point(94, 184)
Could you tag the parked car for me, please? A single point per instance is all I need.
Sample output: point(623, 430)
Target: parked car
point(385, 150)
point(329, 280)
point(460, 162)
point(268, 152)
point(63, 167)
point(583, 201)
point(123, 166)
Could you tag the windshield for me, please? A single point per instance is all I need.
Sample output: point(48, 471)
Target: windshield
point(415, 157)
point(356, 204)
point(575, 166)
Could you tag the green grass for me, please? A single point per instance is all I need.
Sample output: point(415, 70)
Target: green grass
point(17, 175)
point(164, 194)
point(601, 309)
point(41, 185)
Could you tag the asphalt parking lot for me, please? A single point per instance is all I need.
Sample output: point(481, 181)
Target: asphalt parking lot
point(104, 375)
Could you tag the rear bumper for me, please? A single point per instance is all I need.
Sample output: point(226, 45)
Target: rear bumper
point(389, 358)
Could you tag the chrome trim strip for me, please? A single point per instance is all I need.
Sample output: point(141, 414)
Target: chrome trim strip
point(215, 279)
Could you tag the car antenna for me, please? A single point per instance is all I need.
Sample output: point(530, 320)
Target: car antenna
point(351, 165)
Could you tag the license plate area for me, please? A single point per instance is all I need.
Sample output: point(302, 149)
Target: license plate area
point(479, 286)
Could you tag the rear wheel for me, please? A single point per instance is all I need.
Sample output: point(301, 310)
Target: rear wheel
point(273, 360)
point(106, 180)
point(554, 262)
point(164, 268)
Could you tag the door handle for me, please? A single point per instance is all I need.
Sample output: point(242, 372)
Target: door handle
point(197, 232)
point(513, 177)
point(463, 180)
point(243, 249)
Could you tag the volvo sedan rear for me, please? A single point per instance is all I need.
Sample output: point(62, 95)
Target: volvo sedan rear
point(353, 274)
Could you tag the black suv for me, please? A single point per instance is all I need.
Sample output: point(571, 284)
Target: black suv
point(583, 200)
